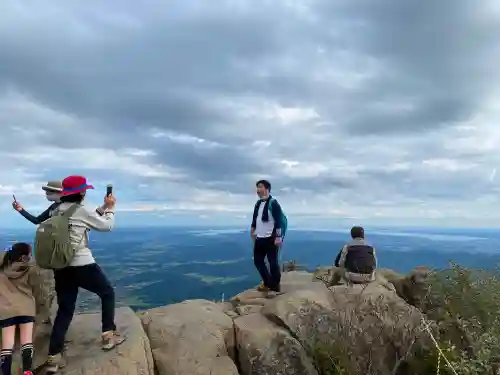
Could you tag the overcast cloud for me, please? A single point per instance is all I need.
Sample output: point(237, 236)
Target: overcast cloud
point(366, 111)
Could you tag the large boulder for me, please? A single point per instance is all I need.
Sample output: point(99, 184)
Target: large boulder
point(298, 280)
point(359, 328)
point(267, 349)
point(194, 337)
point(47, 302)
point(84, 355)
point(251, 301)
point(412, 288)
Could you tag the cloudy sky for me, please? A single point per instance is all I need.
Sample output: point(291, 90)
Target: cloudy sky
point(358, 111)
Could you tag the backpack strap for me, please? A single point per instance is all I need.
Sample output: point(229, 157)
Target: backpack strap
point(71, 210)
point(255, 213)
point(271, 200)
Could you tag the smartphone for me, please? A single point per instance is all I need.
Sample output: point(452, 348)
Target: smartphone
point(109, 190)
point(13, 196)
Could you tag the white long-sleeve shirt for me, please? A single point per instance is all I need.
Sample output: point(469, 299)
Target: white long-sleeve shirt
point(263, 229)
point(81, 222)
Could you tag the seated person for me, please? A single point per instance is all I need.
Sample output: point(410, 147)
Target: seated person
point(357, 258)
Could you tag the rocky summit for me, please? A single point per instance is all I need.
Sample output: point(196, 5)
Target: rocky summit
point(317, 325)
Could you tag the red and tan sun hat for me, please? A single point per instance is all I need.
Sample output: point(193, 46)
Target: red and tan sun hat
point(74, 185)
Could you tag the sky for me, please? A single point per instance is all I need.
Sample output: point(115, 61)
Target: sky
point(358, 111)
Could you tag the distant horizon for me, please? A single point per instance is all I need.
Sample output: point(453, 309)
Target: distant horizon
point(336, 228)
point(206, 261)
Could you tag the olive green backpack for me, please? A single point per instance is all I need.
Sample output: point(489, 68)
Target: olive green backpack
point(53, 248)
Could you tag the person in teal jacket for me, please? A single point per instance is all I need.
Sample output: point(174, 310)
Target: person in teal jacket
point(267, 230)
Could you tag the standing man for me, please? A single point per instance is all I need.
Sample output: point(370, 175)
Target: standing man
point(267, 231)
point(53, 191)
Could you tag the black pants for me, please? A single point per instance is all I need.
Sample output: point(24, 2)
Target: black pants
point(68, 280)
point(265, 247)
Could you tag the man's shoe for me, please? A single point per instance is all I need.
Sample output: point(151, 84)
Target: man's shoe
point(111, 339)
point(262, 287)
point(273, 292)
point(54, 363)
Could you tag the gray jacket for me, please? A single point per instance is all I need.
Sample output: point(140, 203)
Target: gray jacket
point(358, 257)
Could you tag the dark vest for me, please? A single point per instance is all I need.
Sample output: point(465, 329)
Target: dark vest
point(360, 258)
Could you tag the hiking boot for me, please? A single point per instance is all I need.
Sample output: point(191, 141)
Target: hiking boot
point(54, 363)
point(111, 339)
point(262, 288)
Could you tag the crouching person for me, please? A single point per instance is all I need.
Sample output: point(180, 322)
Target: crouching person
point(62, 244)
point(20, 292)
point(357, 258)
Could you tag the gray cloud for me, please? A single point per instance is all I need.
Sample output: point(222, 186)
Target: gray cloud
point(433, 54)
point(384, 83)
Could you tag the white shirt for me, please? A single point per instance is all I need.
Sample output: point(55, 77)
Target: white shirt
point(263, 229)
point(82, 221)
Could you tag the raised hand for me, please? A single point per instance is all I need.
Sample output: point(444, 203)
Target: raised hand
point(17, 206)
point(109, 202)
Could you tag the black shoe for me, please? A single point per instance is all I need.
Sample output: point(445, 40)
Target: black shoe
point(276, 289)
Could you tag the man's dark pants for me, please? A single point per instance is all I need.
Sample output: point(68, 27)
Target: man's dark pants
point(68, 280)
point(265, 247)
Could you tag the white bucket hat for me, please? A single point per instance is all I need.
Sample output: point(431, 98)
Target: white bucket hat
point(53, 186)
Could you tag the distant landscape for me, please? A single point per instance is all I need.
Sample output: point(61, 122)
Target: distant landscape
point(158, 266)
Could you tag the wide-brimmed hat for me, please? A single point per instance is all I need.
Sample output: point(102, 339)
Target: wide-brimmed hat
point(74, 185)
point(53, 186)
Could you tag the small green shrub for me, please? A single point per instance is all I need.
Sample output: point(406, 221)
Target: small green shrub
point(328, 359)
point(466, 305)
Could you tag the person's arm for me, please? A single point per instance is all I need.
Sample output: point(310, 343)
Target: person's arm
point(99, 220)
point(277, 214)
point(254, 219)
point(337, 260)
point(343, 255)
point(45, 215)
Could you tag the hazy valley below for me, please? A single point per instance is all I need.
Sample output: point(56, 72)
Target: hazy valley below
point(156, 266)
